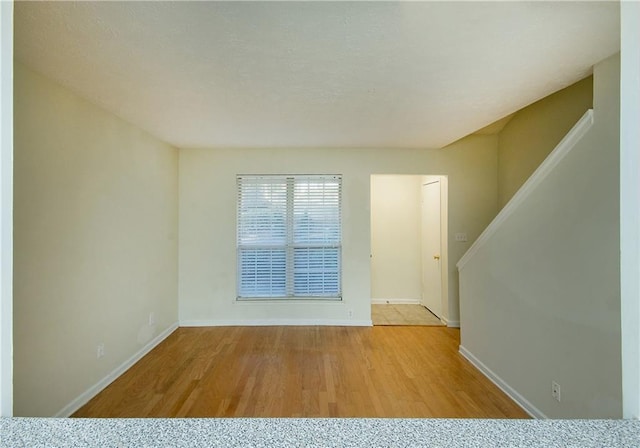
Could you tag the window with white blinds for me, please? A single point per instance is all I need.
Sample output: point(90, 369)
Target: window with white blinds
point(289, 236)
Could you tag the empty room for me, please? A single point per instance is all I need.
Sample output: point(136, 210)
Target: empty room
point(209, 199)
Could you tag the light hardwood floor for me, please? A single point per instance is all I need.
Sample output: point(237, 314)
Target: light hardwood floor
point(304, 372)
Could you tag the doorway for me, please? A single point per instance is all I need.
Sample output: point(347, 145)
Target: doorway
point(408, 249)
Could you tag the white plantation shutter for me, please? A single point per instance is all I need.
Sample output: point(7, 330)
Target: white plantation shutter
point(289, 236)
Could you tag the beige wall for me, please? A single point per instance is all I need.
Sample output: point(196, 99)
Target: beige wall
point(396, 237)
point(533, 132)
point(95, 243)
point(208, 208)
point(540, 301)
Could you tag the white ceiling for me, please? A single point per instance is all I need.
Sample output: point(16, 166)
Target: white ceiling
point(314, 74)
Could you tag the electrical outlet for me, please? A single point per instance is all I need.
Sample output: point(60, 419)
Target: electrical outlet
point(152, 318)
point(555, 390)
point(100, 350)
point(350, 314)
point(462, 237)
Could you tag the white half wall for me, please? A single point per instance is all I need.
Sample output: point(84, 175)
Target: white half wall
point(95, 237)
point(6, 208)
point(208, 218)
point(540, 300)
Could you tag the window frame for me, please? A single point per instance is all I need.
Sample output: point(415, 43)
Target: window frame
point(289, 245)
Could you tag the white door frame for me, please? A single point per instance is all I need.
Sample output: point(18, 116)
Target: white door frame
point(6, 208)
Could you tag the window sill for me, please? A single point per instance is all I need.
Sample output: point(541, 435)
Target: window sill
point(287, 299)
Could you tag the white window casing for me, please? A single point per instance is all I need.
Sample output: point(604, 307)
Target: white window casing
point(289, 236)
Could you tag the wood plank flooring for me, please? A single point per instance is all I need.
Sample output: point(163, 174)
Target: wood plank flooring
point(304, 372)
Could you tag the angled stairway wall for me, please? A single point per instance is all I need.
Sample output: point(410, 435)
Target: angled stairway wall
point(539, 290)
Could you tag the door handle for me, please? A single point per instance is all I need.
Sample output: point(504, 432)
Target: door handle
point(436, 257)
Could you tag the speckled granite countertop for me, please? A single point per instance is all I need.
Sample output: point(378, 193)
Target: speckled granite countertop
point(33, 432)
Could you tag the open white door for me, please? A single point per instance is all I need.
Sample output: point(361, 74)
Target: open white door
point(431, 250)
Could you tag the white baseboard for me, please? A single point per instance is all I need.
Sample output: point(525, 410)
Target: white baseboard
point(395, 301)
point(452, 323)
point(275, 322)
point(495, 379)
point(94, 390)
